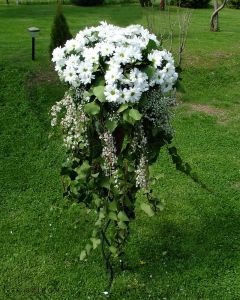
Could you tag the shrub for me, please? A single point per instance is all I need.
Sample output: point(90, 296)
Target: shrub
point(87, 2)
point(191, 3)
point(60, 31)
point(234, 3)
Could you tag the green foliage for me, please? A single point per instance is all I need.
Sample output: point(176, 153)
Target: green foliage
point(60, 31)
point(191, 3)
point(234, 3)
point(87, 2)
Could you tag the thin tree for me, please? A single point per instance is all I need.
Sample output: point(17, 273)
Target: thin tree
point(214, 21)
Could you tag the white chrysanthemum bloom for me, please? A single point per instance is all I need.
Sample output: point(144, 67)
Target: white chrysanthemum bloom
point(105, 49)
point(90, 55)
point(72, 45)
point(85, 72)
point(119, 57)
point(112, 93)
point(113, 74)
point(58, 55)
point(72, 60)
point(156, 57)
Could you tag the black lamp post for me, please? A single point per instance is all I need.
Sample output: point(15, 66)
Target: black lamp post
point(33, 33)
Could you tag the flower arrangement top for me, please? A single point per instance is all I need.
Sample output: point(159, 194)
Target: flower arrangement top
point(127, 58)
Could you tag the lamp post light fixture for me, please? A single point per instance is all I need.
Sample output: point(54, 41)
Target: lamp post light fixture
point(33, 33)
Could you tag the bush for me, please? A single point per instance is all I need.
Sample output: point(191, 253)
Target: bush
point(87, 2)
point(234, 3)
point(60, 31)
point(191, 3)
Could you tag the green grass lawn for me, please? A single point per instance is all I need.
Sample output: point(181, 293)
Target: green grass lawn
point(189, 251)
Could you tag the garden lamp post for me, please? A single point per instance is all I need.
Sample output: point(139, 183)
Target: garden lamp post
point(33, 33)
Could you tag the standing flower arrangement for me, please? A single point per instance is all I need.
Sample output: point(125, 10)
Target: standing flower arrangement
point(116, 119)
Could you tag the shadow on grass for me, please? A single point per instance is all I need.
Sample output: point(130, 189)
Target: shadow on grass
point(192, 254)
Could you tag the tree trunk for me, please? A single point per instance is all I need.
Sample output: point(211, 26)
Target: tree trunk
point(215, 19)
point(162, 4)
point(214, 23)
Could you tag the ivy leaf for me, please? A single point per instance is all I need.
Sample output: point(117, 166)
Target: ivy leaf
point(98, 91)
point(112, 216)
point(135, 114)
point(83, 255)
point(122, 216)
point(92, 108)
point(111, 125)
point(150, 71)
point(147, 209)
point(113, 206)
point(123, 107)
point(151, 45)
point(96, 242)
point(88, 248)
point(113, 249)
point(97, 200)
point(125, 142)
point(105, 182)
point(122, 225)
point(128, 118)
point(101, 215)
point(83, 170)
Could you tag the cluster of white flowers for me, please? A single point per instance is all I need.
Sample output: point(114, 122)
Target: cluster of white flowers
point(72, 122)
point(122, 55)
point(108, 153)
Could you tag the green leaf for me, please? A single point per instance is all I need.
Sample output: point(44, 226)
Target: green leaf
point(88, 248)
point(97, 200)
point(105, 182)
point(83, 170)
point(151, 45)
point(112, 216)
point(83, 255)
point(125, 142)
point(95, 175)
point(122, 225)
point(98, 91)
point(122, 216)
point(150, 71)
point(92, 108)
point(111, 125)
point(147, 209)
point(135, 114)
point(113, 206)
point(96, 242)
point(101, 215)
point(123, 107)
point(127, 118)
point(113, 249)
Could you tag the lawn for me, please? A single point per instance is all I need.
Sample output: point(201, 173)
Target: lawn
point(189, 251)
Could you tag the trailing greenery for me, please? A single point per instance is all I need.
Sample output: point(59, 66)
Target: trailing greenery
point(60, 30)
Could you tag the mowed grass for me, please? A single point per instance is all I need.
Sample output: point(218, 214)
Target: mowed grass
point(189, 251)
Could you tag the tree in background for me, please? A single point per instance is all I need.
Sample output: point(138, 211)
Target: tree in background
point(60, 31)
point(162, 4)
point(214, 21)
